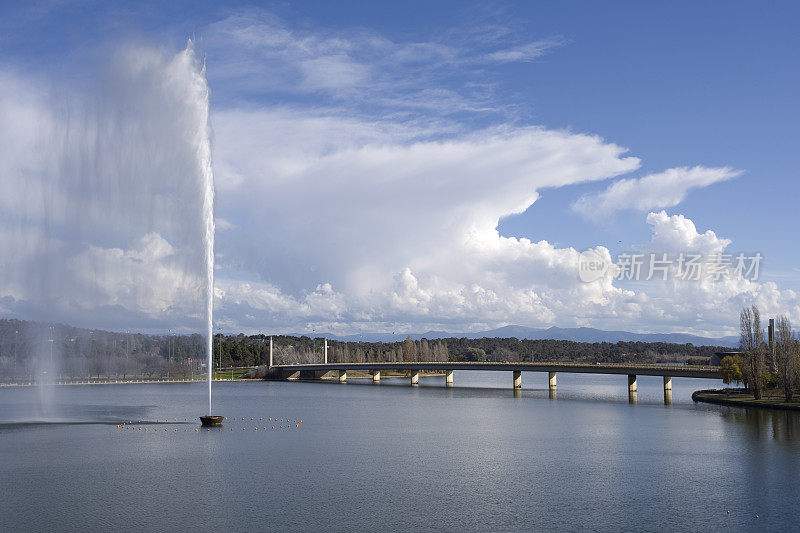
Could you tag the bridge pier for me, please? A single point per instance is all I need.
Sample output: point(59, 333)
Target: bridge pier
point(517, 379)
point(415, 377)
point(667, 396)
point(551, 376)
point(631, 382)
point(342, 376)
point(667, 383)
point(376, 376)
point(448, 378)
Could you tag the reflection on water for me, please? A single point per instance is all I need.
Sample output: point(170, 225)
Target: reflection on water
point(766, 424)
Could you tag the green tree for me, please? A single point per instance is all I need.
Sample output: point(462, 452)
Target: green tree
point(475, 354)
point(730, 370)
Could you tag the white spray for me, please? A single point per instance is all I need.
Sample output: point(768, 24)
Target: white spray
point(204, 155)
point(107, 197)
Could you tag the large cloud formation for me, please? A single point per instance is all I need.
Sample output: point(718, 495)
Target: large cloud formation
point(329, 217)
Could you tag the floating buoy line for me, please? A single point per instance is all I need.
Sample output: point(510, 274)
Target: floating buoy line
point(153, 426)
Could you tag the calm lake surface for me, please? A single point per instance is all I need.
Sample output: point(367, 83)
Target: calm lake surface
point(474, 457)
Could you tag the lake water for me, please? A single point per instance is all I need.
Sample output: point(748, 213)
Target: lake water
point(393, 457)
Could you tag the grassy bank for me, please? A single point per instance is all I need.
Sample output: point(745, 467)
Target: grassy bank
point(742, 398)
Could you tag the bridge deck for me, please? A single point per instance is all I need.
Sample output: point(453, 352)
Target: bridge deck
point(677, 371)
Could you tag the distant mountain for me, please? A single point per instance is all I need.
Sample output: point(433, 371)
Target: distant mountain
point(552, 333)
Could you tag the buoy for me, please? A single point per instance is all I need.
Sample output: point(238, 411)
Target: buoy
point(220, 429)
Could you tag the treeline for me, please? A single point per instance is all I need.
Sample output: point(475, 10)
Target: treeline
point(26, 348)
point(520, 350)
point(33, 351)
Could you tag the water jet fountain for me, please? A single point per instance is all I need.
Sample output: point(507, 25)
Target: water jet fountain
point(204, 153)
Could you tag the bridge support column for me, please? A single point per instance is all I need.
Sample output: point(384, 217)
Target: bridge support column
point(631, 382)
point(667, 383)
point(517, 379)
point(376, 376)
point(552, 379)
point(415, 377)
point(342, 376)
point(448, 378)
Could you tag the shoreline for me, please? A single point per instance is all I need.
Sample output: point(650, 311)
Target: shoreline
point(743, 399)
point(119, 382)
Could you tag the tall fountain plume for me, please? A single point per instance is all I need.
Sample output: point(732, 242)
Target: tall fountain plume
point(204, 151)
point(200, 91)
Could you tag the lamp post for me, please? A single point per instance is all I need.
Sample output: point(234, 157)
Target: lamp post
point(219, 354)
point(52, 340)
point(169, 351)
point(16, 344)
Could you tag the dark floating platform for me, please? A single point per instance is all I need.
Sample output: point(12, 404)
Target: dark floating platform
point(211, 420)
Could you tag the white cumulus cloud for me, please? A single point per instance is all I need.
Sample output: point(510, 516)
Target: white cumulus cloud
point(654, 191)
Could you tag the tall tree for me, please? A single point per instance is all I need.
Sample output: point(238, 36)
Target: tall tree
point(785, 357)
point(751, 344)
point(424, 351)
point(409, 350)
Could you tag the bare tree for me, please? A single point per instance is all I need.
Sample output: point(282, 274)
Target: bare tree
point(751, 344)
point(409, 350)
point(785, 357)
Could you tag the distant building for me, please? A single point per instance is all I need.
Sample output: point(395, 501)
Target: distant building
point(717, 357)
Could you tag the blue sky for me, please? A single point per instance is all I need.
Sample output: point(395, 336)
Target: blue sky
point(681, 84)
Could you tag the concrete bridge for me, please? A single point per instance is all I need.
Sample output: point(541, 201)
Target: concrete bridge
point(339, 370)
point(316, 371)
